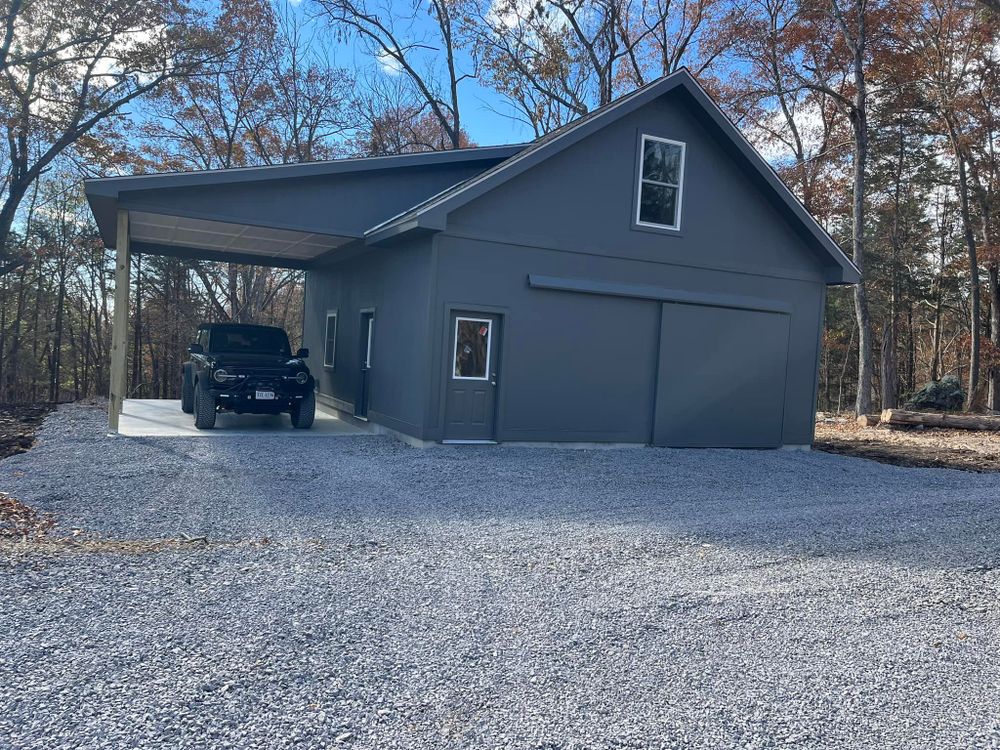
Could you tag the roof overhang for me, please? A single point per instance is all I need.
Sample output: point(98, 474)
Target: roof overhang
point(186, 237)
point(261, 234)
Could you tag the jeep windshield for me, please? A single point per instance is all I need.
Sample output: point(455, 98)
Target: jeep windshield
point(246, 340)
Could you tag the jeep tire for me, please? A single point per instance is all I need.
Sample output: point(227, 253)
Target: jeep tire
point(187, 391)
point(204, 409)
point(304, 412)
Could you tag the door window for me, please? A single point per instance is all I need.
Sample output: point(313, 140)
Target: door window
point(472, 348)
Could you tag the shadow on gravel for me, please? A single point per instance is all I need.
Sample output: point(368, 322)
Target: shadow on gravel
point(18, 425)
point(254, 487)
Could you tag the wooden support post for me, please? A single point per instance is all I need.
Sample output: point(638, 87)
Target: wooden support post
point(119, 327)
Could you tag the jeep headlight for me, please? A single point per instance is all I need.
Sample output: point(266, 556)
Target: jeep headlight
point(220, 375)
point(301, 378)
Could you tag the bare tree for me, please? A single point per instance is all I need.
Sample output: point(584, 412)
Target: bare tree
point(957, 52)
point(836, 60)
point(306, 98)
point(557, 59)
point(68, 68)
point(399, 44)
point(390, 120)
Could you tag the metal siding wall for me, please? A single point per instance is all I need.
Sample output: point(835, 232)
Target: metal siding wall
point(584, 199)
point(396, 282)
point(348, 203)
point(573, 217)
point(721, 377)
point(582, 367)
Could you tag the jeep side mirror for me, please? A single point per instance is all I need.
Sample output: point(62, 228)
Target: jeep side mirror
point(302, 353)
point(196, 349)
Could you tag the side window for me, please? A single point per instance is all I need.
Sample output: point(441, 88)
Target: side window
point(661, 175)
point(203, 338)
point(330, 340)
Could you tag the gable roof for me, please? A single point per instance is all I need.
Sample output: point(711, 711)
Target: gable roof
point(431, 214)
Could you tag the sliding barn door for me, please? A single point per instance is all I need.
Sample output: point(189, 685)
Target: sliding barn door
point(721, 377)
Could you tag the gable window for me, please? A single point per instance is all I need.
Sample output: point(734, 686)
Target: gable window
point(660, 177)
point(330, 341)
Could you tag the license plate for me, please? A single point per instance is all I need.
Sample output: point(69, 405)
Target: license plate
point(265, 396)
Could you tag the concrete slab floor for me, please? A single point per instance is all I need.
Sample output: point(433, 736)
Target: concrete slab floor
point(164, 418)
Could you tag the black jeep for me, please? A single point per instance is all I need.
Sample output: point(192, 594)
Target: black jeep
point(246, 369)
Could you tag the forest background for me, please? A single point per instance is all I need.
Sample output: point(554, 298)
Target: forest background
point(880, 116)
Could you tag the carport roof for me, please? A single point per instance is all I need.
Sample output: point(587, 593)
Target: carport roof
point(158, 228)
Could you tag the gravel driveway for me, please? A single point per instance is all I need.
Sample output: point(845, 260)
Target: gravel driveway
point(355, 592)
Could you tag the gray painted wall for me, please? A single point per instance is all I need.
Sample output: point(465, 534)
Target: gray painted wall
point(583, 199)
point(396, 283)
point(340, 204)
point(581, 366)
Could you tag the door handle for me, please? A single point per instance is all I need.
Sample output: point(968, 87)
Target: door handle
point(493, 379)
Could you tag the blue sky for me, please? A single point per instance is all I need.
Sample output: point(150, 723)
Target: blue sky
point(484, 112)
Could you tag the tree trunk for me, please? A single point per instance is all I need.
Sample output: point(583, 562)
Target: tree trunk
point(859, 123)
point(911, 351)
point(889, 374)
point(994, 288)
point(974, 283)
point(863, 403)
point(938, 313)
point(235, 314)
point(843, 370)
point(936, 419)
point(14, 356)
point(56, 376)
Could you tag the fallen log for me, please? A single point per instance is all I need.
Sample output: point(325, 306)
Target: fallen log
point(901, 417)
point(869, 420)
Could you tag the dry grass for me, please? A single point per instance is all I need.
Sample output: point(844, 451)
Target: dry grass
point(967, 450)
point(94, 544)
point(26, 531)
point(20, 523)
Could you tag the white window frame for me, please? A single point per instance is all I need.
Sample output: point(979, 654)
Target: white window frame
point(326, 339)
point(489, 347)
point(676, 226)
point(371, 335)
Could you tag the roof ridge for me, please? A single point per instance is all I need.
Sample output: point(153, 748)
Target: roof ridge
point(527, 151)
point(468, 190)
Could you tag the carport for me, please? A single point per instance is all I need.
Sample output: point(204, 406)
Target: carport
point(283, 216)
point(147, 219)
point(150, 417)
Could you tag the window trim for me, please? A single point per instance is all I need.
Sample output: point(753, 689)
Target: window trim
point(676, 226)
point(369, 315)
point(489, 347)
point(326, 339)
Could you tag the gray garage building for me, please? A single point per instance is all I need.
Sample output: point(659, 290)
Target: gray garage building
point(638, 276)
